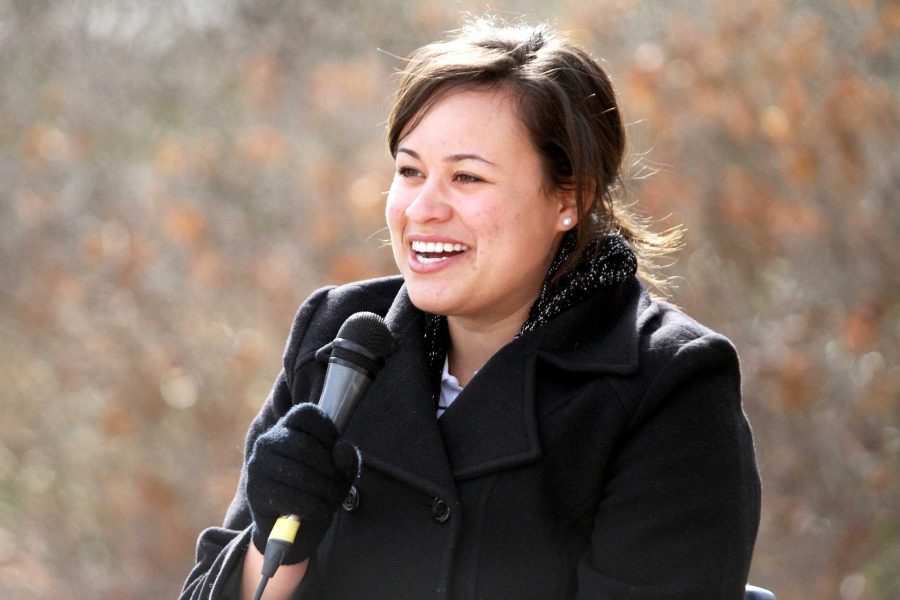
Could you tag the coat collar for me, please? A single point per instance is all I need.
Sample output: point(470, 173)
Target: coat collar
point(603, 334)
point(493, 424)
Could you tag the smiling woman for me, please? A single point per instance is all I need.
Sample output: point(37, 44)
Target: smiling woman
point(543, 428)
point(468, 175)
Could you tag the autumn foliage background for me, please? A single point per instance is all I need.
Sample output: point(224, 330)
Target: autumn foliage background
point(176, 176)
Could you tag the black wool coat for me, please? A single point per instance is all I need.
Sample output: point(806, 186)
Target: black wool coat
point(605, 455)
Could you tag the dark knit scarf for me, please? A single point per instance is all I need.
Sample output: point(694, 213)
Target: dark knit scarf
point(608, 260)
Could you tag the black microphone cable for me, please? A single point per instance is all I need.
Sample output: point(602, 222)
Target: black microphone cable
point(284, 532)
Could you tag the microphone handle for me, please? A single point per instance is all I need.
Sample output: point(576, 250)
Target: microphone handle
point(345, 384)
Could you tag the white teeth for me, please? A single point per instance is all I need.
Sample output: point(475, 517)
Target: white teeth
point(437, 247)
point(427, 261)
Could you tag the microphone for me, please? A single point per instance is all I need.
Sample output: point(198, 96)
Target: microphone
point(357, 354)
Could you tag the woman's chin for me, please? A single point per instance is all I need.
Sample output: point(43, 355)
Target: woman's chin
point(429, 300)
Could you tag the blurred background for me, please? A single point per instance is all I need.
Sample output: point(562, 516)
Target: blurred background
point(177, 176)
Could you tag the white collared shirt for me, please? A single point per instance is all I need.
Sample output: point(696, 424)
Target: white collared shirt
point(450, 389)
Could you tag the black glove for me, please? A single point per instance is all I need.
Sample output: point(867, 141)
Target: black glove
point(299, 467)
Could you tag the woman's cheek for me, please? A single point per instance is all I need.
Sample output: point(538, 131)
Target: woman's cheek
point(395, 215)
point(391, 210)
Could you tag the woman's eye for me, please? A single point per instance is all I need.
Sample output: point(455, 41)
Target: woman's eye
point(406, 172)
point(466, 178)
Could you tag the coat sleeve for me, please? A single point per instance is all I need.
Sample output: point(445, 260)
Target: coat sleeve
point(679, 511)
point(220, 550)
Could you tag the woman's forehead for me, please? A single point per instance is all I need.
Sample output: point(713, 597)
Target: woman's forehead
point(469, 121)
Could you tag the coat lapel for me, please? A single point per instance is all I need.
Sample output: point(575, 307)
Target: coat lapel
point(492, 425)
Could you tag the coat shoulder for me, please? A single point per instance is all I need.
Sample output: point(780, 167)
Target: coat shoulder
point(674, 349)
point(319, 317)
point(373, 295)
point(667, 329)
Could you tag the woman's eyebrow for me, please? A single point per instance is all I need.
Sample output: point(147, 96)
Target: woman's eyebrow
point(450, 158)
point(459, 157)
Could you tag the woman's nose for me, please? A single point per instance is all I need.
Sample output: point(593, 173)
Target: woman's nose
point(429, 204)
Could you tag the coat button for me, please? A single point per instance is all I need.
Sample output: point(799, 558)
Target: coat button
point(351, 502)
point(440, 511)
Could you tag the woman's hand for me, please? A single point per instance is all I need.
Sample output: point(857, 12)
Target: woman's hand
point(299, 467)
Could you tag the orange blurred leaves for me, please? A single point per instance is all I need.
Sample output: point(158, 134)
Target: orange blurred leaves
point(261, 80)
point(801, 164)
point(263, 146)
point(197, 156)
point(351, 266)
point(890, 15)
point(32, 208)
point(156, 492)
point(324, 228)
point(184, 224)
point(208, 268)
point(861, 330)
point(798, 381)
point(47, 142)
point(117, 421)
point(748, 201)
point(170, 158)
point(275, 273)
point(337, 87)
point(744, 197)
point(794, 217)
point(774, 123)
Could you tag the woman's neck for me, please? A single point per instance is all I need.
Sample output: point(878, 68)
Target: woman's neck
point(473, 342)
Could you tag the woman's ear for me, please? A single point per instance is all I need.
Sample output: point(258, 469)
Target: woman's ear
point(567, 216)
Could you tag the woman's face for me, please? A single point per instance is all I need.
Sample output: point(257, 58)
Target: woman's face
point(472, 228)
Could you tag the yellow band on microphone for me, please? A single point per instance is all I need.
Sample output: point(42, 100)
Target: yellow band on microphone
point(285, 529)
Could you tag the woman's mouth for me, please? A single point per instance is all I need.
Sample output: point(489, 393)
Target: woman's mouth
point(428, 253)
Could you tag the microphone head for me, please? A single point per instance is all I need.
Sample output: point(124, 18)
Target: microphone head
point(364, 340)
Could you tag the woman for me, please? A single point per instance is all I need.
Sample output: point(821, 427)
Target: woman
point(544, 429)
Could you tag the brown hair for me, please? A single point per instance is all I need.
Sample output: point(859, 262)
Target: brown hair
point(567, 103)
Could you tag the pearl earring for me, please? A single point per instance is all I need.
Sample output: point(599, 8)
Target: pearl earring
point(567, 221)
